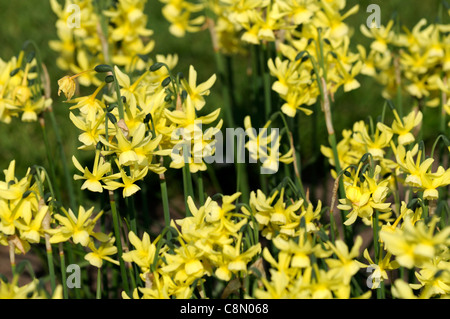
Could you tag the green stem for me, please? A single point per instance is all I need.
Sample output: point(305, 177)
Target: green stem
point(187, 187)
point(402, 273)
point(99, 284)
point(201, 189)
point(63, 271)
point(321, 55)
point(435, 144)
point(332, 226)
point(187, 178)
point(51, 269)
point(116, 221)
point(241, 172)
point(315, 143)
point(376, 244)
point(397, 195)
point(425, 212)
point(382, 290)
point(332, 141)
point(443, 130)
point(104, 31)
point(132, 276)
point(165, 201)
point(118, 96)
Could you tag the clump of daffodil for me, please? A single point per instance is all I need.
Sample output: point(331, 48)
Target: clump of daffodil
point(417, 244)
point(296, 270)
point(319, 50)
point(417, 171)
point(31, 290)
point(27, 218)
point(396, 151)
point(365, 194)
point(315, 29)
point(190, 141)
point(79, 228)
point(23, 211)
point(157, 115)
point(21, 94)
point(209, 243)
point(349, 151)
point(362, 139)
point(183, 16)
point(144, 252)
point(275, 214)
point(402, 127)
point(212, 242)
point(413, 61)
point(90, 33)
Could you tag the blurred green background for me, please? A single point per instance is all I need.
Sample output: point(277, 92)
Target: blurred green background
point(25, 19)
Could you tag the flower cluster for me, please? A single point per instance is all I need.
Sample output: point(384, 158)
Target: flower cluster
point(156, 115)
point(209, 243)
point(79, 229)
point(21, 90)
point(295, 271)
point(90, 34)
point(377, 161)
point(315, 57)
point(413, 62)
point(182, 16)
point(24, 215)
point(280, 217)
point(308, 35)
point(407, 166)
point(27, 216)
point(375, 140)
point(28, 291)
point(366, 196)
point(422, 245)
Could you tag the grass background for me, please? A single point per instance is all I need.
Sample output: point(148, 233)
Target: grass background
point(24, 19)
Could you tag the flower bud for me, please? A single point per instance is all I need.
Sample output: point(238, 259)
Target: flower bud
point(67, 85)
point(102, 68)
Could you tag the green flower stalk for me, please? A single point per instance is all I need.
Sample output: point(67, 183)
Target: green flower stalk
point(63, 271)
point(116, 225)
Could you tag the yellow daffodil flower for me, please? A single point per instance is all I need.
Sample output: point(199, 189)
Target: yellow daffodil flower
point(97, 255)
point(79, 227)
